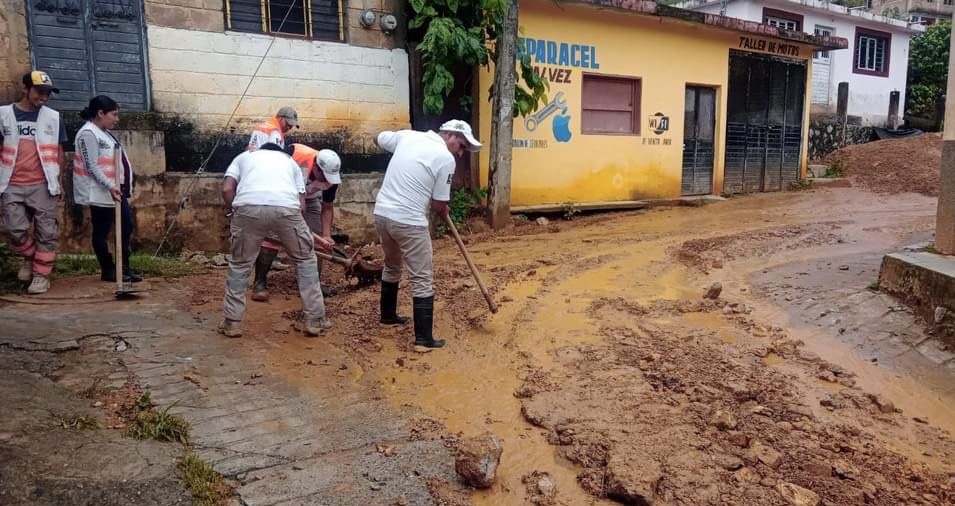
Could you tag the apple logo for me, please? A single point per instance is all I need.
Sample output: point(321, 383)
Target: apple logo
point(561, 127)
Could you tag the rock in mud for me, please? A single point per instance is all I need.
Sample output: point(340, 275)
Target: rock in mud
point(219, 260)
point(796, 495)
point(714, 291)
point(884, 405)
point(542, 221)
point(632, 480)
point(940, 313)
point(541, 489)
point(747, 475)
point(728, 462)
point(724, 420)
point(765, 454)
point(478, 458)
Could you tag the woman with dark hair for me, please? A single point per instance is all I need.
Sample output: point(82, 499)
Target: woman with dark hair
point(97, 184)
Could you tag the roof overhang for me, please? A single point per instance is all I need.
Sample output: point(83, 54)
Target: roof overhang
point(651, 8)
point(852, 14)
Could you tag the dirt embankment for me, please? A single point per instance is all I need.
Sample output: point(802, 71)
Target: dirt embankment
point(909, 165)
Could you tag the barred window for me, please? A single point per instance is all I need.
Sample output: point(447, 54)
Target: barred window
point(313, 19)
point(872, 52)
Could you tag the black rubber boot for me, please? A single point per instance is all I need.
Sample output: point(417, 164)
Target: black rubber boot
point(389, 305)
point(424, 341)
point(260, 290)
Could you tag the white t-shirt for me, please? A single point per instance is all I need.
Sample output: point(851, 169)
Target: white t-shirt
point(420, 170)
point(266, 178)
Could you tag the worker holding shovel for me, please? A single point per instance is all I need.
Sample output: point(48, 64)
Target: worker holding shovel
point(98, 184)
point(418, 177)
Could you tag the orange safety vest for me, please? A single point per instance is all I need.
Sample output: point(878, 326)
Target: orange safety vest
point(265, 132)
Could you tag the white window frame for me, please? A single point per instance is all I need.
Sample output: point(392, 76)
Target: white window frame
point(869, 47)
point(785, 24)
point(823, 56)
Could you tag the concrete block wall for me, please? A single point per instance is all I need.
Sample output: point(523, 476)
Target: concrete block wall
point(14, 49)
point(201, 224)
point(202, 75)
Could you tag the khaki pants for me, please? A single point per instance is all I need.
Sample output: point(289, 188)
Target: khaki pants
point(250, 225)
point(313, 218)
point(32, 205)
point(410, 245)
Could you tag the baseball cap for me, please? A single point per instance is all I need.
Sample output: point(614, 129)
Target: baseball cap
point(289, 115)
point(39, 79)
point(463, 128)
point(330, 165)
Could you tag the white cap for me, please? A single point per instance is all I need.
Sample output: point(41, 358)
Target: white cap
point(463, 128)
point(330, 165)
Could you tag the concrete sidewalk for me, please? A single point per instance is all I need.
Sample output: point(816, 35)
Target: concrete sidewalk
point(280, 443)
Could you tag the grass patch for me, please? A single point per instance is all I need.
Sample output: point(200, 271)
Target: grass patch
point(207, 486)
point(836, 169)
point(159, 425)
point(84, 265)
point(75, 422)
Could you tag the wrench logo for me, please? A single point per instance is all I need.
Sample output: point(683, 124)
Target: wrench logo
point(558, 103)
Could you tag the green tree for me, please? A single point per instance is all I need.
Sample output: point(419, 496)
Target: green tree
point(462, 33)
point(928, 69)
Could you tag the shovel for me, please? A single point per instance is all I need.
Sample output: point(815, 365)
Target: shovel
point(123, 289)
point(467, 258)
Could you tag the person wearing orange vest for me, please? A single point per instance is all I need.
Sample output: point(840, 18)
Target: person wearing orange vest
point(96, 183)
point(30, 161)
point(274, 129)
point(322, 171)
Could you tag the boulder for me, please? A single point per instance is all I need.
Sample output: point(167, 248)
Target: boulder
point(478, 458)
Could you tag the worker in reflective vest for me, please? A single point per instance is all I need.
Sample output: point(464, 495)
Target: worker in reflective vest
point(30, 161)
point(322, 172)
point(273, 130)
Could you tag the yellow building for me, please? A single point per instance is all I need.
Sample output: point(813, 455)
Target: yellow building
point(653, 102)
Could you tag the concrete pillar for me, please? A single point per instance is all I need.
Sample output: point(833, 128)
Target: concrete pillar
point(945, 222)
point(842, 111)
point(893, 110)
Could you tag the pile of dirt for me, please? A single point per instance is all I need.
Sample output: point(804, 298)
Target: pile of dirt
point(909, 165)
point(666, 413)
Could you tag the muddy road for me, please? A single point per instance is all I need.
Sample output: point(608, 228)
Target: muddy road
point(606, 368)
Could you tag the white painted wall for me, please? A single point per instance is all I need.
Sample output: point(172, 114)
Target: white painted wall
point(868, 95)
point(201, 75)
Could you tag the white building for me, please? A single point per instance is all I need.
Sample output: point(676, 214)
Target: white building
point(875, 65)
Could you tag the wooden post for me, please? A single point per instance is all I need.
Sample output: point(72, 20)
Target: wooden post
point(894, 98)
point(945, 220)
point(502, 120)
point(842, 112)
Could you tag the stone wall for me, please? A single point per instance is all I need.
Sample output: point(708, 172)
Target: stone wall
point(14, 49)
point(825, 136)
point(201, 224)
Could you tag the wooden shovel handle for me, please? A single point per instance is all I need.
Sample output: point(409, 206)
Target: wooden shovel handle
point(467, 258)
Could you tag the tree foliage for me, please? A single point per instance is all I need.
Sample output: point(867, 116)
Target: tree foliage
point(928, 68)
point(462, 33)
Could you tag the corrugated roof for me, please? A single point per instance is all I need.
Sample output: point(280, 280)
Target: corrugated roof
point(651, 8)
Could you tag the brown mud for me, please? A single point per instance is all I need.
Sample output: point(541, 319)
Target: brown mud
point(607, 372)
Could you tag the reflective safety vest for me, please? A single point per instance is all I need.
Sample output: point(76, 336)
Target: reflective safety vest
point(305, 157)
point(47, 146)
point(266, 132)
point(86, 189)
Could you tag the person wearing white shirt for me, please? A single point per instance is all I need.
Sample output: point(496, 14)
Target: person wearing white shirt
point(418, 177)
point(266, 191)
